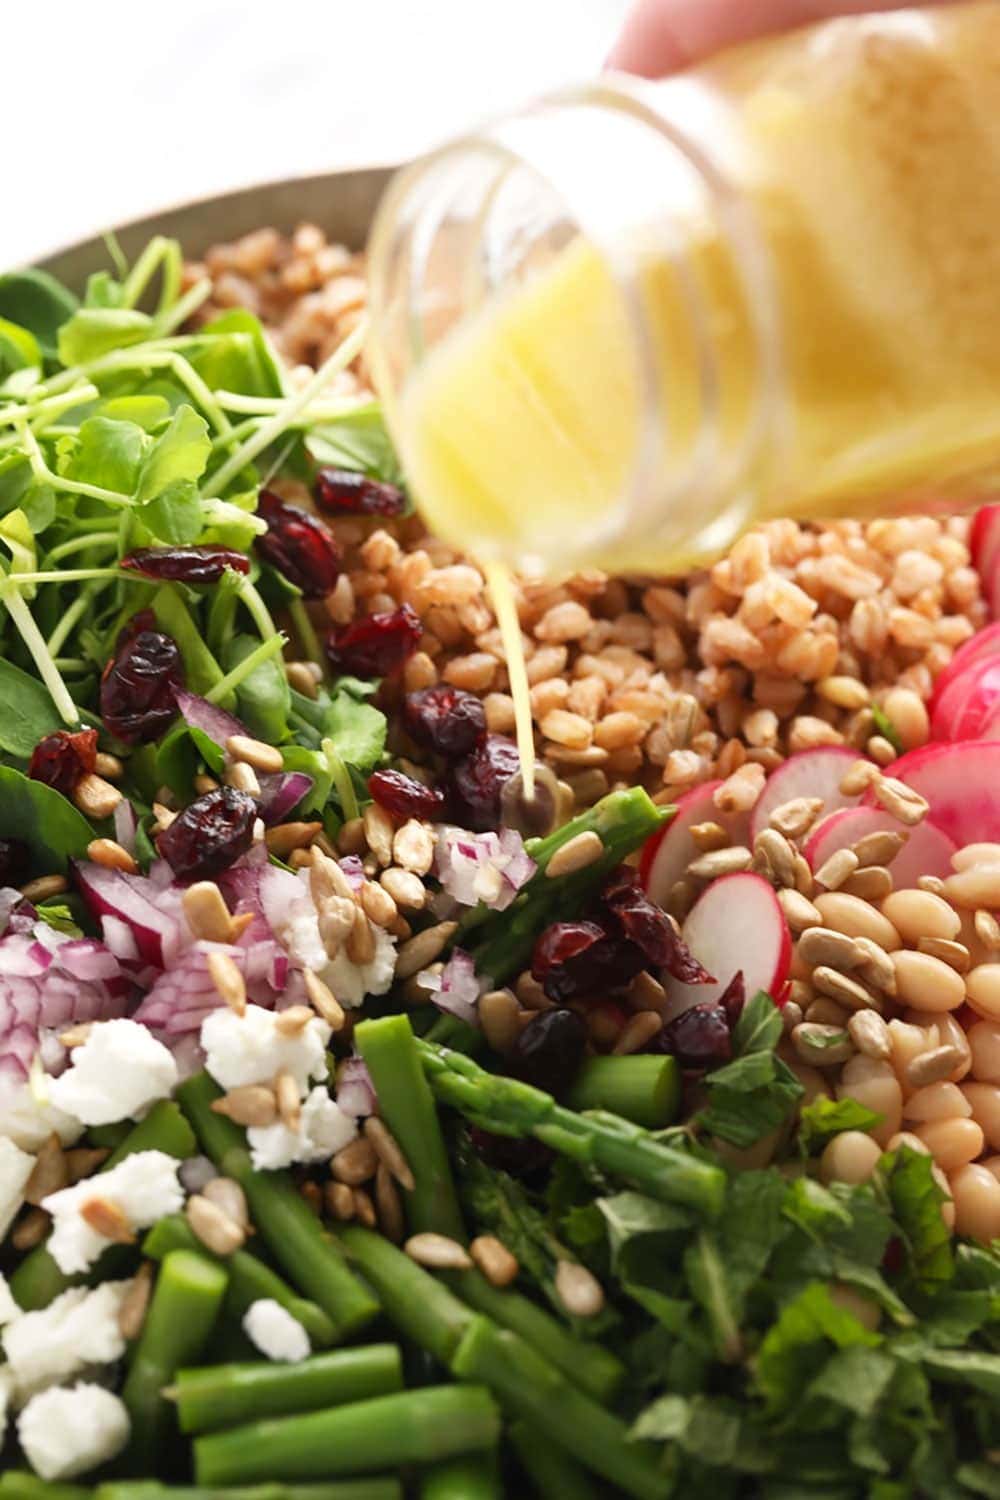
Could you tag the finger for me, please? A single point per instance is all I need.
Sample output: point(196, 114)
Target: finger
point(660, 36)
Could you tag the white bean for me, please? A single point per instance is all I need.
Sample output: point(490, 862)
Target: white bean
point(984, 1042)
point(984, 1103)
point(874, 1084)
point(908, 1039)
point(975, 886)
point(857, 918)
point(917, 914)
point(937, 1101)
point(983, 985)
point(992, 1164)
point(952, 1143)
point(950, 1033)
point(849, 1157)
point(865, 1309)
point(975, 854)
point(928, 984)
point(976, 1194)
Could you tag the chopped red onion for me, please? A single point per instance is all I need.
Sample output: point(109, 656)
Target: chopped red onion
point(354, 871)
point(482, 867)
point(355, 1090)
point(280, 792)
point(198, 713)
point(137, 901)
point(126, 825)
point(456, 989)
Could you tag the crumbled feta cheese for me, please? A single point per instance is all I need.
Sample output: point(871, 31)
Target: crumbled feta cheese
point(69, 1432)
point(250, 1048)
point(6, 1391)
point(351, 982)
point(144, 1186)
point(118, 1072)
point(15, 1169)
point(79, 1329)
point(272, 1329)
point(324, 1129)
point(9, 1309)
point(28, 1119)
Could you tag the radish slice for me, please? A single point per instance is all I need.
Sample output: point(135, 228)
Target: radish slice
point(962, 784)
point(811, 773)
point(736, 924)
point(984, 538)
point(111, 893)
point(927, 850)
point(668, 853)
point(969, 701)
point(984, 643)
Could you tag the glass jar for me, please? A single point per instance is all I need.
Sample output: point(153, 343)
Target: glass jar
point(617, 327)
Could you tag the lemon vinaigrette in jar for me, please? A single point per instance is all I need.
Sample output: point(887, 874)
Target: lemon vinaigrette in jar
point(619, 327)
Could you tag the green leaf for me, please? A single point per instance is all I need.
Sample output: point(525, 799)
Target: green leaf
point(916, 1202)
point(235, 356)
point(970, 1367)
point(202, 671)
point(37, 301)
point(39, 507)
point(797, 1346)
point(181, 452)
point(759, 1027)
point(43, 819)
point(108, 453)
point(824, 1118)
point(742, 1117)
point(855, 1378)
point(629, 1215)
point(19, 349)
point(146, 411)
point(981, 1478)
point(28, 713)
point(744, 1074)
point(886, 727)
point(102, 290)
point(175, 515)
point(263, 699)
point(357, 440)
point(93, 331)
point(664, 1421)
point(357, 730)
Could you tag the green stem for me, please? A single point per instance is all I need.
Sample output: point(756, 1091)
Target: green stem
point(370, 1488)
point(250, 1280)
point(182, 1314)
point(409, 1427)
point(74, 575)
point(644, 1089)
point(312, 1258)
point(143, 358)
point(257, 609)
point(305, 631)
point(529, 1386)
point(346, 795)
point(416, 1303)
point(81, 543)
point(186, 305)
point(551, 1470)
point(33, 639)
point(45, 475)
point(243, 669)
point(226, 1395)
point(67, 624)
point(407, 1106)
point(18, 1484)
point(473, 1476)
point(287, 412)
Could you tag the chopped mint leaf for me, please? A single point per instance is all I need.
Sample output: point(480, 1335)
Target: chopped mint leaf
point(824, 1118)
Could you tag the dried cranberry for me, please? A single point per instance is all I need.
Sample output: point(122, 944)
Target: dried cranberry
point(549, 1051)
point(299, 546)
point(649, 927)
point(345, 492)
point(209, 835)
point(378, 645)
point(143, 619)
point(404, 796)
point(578, 958)
point(698, 1037)
point(734, 997)
point(61, 759)
point(13, 862)
point(185, 564)
point(137, 689)
point(446, 720)
point(475, 784)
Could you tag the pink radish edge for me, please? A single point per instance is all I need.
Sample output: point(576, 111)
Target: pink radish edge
point(961, 782)
point(927, 850)
point(736, 924)
point(668, 853)
point(810, 773)
point(985, 642)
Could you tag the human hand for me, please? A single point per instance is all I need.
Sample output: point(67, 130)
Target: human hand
point(660, 36)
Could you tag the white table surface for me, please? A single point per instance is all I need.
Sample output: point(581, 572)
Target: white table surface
point(118, 107)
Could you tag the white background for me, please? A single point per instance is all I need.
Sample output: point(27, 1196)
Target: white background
point(115, 108)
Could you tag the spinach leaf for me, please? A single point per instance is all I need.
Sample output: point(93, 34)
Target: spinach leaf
point(180, 452)
point(93, 331)
point(201, 669)
point(235, 356)
point(147, 411)
point(37, 301)
point(175, 515)
point(263, 698)
point(27, 714)
point(43, 819)
point(798, 1344)
point(19, 349)
point(108, 453)
point(357, 730)
point(916, 1202)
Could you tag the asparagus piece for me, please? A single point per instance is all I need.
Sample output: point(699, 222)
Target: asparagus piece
point(590, 1366)
point(527, 1385)
point(550, 1469)
point(613, 1145)
point(450, 1031)
point(473, 1476)
point(643, 1089)
point(226, 1395)
point(38, 1281)
point(501, 942)
point(294, 1236)
point(388, 1431)
point(415, 1302)
point(406, 1104)
point(382, 1488)
point(186, 1301)
point(19, 1484)
point(250, 1279)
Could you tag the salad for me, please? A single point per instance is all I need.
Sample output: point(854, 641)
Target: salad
point(369, 1129)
